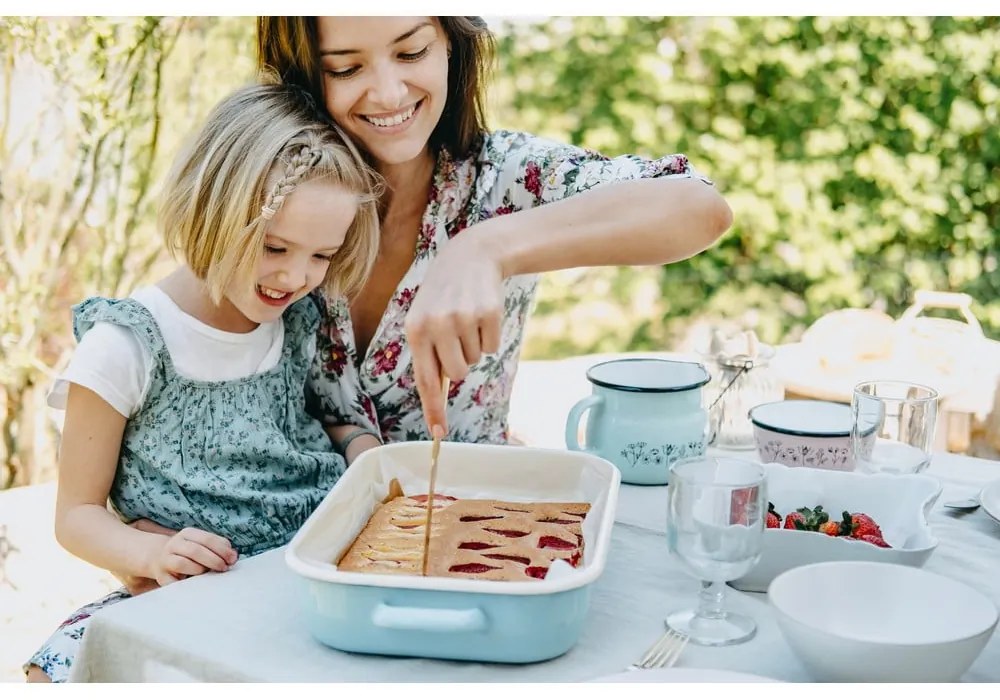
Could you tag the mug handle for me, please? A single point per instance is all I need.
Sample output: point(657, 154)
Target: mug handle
point(573, 422)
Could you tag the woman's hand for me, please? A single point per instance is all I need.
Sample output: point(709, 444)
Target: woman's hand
point(455, 317)
point(189, 552)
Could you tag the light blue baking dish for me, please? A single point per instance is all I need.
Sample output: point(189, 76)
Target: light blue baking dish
point(450, 618)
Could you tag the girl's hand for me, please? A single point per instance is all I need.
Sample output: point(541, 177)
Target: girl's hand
point(189, 553)
point(136, 585)
point(144, 525)
point(455, 317)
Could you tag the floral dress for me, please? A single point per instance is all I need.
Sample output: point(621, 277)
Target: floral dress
point(240, 458)
point(508, 172)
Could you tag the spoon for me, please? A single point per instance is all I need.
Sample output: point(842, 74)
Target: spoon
point(963, 503)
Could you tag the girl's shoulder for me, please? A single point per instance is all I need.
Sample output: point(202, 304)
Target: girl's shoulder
point(303, 316)
point(128, 312)
point(302, 321)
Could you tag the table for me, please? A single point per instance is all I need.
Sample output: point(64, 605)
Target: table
point(244, 625)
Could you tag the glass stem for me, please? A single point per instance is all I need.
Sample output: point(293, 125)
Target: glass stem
point(710, 600)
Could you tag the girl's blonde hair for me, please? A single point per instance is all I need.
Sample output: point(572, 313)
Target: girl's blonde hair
point(255, 148)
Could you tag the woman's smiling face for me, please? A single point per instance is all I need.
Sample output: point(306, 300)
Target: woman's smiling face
point(385, 81)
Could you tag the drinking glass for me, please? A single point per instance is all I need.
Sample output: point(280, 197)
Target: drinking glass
point(893, 426)
point(715, 526)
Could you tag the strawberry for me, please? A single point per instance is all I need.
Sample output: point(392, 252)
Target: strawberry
point(835, 528)
point(831, 528)
point(864, 525)
point(806, 519)
point(773, 516)
point(875, 540)
point(795, 521)
point(739, 505)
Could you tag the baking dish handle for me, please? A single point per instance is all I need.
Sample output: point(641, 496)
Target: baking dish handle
point(429, 619)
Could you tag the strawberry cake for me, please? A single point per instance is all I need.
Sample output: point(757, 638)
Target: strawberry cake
point(470, 538)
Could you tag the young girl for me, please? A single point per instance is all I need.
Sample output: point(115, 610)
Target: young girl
point(185, 403)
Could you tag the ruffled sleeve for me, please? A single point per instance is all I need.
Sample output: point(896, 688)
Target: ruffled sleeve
point(122, 312)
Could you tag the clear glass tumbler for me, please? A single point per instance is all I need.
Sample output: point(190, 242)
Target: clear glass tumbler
point(893, 426)
point(715, 526)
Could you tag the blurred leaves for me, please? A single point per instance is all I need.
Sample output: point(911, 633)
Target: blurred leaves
point(88, 106)
point(860, 156)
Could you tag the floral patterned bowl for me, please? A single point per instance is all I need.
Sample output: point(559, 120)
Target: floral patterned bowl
point(804, 433)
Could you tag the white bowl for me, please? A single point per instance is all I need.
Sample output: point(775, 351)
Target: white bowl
point(858, 621)
point(900, 505)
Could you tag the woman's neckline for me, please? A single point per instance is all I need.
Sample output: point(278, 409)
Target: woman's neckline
point(409, 182)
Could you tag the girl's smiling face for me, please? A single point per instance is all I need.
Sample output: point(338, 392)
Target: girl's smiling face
point(301, 239)
point(385, 80)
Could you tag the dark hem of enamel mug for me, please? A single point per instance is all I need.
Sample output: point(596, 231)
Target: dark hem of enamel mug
point(802, 433)
point(649, 390)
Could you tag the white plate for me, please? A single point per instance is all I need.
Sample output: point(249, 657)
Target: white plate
point(990, 500)
point(684, 675)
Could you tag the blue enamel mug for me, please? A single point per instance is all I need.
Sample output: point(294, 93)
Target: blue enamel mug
point(642, 416)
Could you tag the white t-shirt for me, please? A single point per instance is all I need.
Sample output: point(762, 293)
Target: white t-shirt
point(112, 362)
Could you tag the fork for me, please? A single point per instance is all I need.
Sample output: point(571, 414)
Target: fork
point(664, 652)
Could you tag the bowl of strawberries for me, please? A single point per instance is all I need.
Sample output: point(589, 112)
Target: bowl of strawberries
point(817, 515)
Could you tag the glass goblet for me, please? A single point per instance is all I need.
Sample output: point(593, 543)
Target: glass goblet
point(716, 513)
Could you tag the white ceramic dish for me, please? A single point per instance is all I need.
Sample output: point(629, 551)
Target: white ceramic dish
point(453, 618)
point(684, 675)
point(873, 624)
point(900, 505)
point(989, 499)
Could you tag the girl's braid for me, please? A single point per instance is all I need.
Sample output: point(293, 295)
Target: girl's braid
point(301, 160)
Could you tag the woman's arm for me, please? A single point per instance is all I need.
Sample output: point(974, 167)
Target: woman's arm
point(458, 311)
point(91, 441)
point(638, 222)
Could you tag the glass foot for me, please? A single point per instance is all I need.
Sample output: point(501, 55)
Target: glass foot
point(716, 631)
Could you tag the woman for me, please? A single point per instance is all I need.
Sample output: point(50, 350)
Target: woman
point(469, 218)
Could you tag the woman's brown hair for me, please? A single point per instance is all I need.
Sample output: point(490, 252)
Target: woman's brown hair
point(290, 47)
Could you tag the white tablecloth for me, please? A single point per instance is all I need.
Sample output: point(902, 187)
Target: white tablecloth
point(244, 625)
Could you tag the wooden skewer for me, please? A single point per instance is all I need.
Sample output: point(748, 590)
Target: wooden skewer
point(435, 451)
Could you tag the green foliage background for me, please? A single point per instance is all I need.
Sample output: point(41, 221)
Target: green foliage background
point(860, 156)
